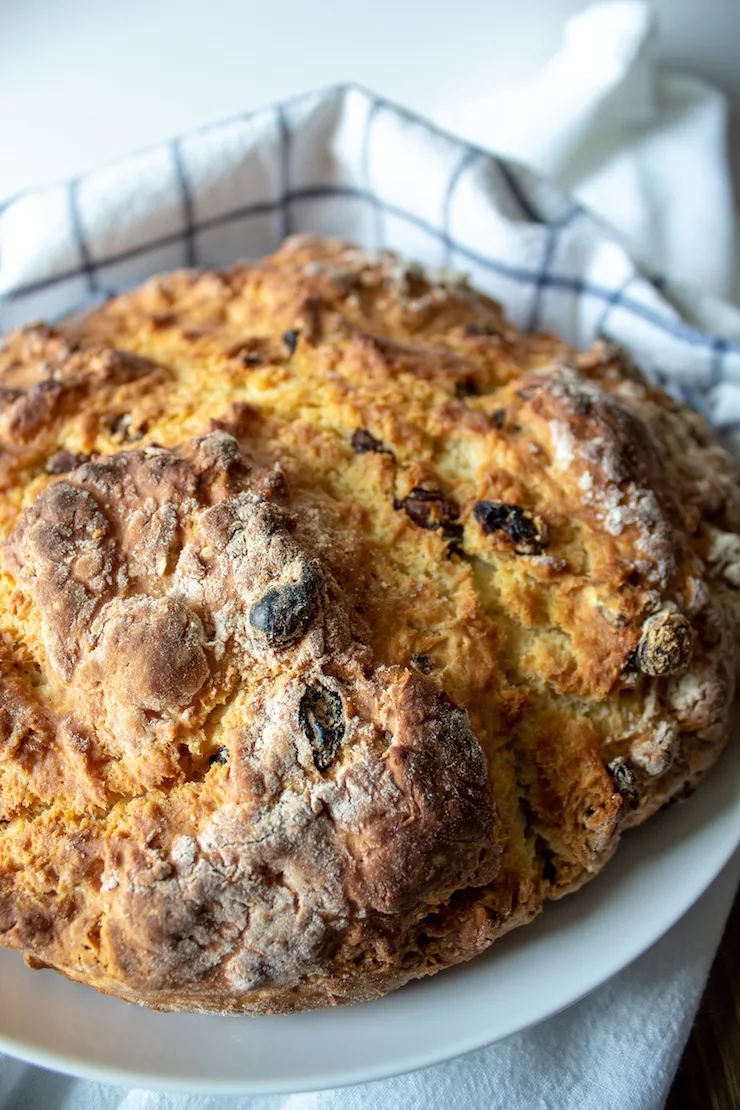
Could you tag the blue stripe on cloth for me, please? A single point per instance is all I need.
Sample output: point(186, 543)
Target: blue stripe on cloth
point(88, 265)
point(469, 156)
point(612, 301)
point(716, 372)
point(285, 225)
point(186, 198)
point(542, 278)
point(675, 328)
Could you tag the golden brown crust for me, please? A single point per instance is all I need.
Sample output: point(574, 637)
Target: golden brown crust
point(341, 625)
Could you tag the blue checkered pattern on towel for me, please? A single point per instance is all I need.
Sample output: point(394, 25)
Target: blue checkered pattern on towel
point(345, 162)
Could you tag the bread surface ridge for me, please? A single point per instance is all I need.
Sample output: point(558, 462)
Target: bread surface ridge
point(342, 625)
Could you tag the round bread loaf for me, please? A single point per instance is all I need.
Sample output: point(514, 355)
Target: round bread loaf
point(341, 626)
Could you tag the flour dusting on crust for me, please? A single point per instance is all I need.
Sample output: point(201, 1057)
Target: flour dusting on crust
point(341, 626)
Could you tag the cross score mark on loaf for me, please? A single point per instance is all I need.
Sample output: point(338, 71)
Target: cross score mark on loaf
point(158, 575)
point(408, 617)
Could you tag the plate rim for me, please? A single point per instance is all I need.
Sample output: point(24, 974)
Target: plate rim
point(644, 939)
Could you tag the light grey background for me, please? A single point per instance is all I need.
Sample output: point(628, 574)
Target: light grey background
point(84, 81)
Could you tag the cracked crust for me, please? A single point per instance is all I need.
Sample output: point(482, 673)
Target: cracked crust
point(341, 626)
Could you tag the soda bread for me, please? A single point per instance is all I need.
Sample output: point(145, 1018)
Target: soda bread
point(341, 626)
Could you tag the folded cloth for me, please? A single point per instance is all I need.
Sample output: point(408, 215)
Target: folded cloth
point(644, 148)
point(344, 162)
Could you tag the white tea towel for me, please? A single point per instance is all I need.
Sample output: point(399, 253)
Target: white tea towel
point(643, 148)
point(344, 162)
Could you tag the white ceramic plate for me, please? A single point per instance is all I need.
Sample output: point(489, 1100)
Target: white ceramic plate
point(576, 944)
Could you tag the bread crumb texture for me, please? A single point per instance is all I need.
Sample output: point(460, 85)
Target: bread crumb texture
point(341, 625)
